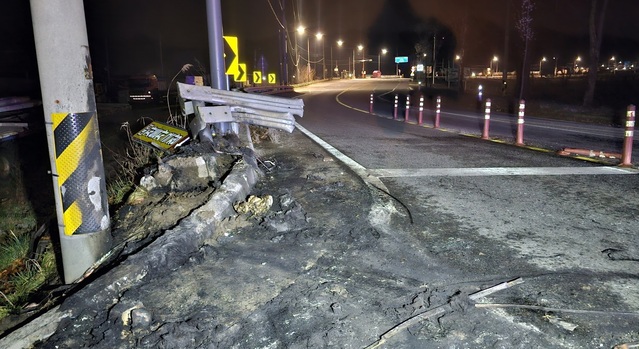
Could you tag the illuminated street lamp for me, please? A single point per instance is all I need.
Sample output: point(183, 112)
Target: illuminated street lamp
point(494, 61)
point(340, 42)
point(543, 59)
point(301, 30)
point(379, 58)
point(360, 47)
point(319, 37)
point(576, 63)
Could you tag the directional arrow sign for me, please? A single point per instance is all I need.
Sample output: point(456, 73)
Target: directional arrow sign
point(241, 76)
point(231, 58)
point(257, 77)
point(271, 78)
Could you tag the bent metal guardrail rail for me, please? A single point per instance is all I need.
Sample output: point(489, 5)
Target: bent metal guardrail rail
point(231, 106)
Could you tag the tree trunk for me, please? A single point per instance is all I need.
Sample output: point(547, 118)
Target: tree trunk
point(596, 32)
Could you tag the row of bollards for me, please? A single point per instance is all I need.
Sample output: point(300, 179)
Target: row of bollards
point(628, 137)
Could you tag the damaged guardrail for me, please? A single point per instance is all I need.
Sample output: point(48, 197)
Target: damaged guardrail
point(212, 106)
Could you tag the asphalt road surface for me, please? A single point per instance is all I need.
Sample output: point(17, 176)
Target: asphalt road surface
point(380, 236)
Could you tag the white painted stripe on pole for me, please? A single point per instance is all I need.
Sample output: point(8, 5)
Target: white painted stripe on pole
point(520, 121)
point(501, 171)
point(629, 133)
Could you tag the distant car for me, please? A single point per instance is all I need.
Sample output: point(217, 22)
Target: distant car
point(377, 74)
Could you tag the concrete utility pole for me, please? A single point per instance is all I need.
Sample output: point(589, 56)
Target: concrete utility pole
point(70, 114)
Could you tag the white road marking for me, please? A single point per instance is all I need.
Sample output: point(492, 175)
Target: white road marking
point(352, 164)
point(502, 171)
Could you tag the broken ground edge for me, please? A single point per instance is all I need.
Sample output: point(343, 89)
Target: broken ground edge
point(170, 250)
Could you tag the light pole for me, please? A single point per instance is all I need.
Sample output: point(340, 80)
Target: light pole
point(494, 61)
point(576, 63)
point(543, 59)
point(319, 37)
point(301, 30)
point(554, 73)
point(360, 47)
point(379, 60)
point(340, 42)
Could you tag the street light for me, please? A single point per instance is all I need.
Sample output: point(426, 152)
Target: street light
point(301, 30)
point(360, 47)
point(319, 37)
point(379, 60)
point(543, 59)
point(496, 62)
point(576, 60)
point(340, 42)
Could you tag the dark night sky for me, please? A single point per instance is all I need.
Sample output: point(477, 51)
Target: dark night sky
point(138, 36)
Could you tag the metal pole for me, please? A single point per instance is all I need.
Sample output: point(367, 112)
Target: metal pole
point(216, 56)
point(629, 136)
point(71, 123)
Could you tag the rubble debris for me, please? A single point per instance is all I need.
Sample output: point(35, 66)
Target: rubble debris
point(442, 310)
point(254, 205)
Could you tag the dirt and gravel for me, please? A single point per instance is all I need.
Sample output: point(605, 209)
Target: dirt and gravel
point(333, 263)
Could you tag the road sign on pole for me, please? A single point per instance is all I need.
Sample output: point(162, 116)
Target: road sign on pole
point(271, 78)
point(257, 77)
point(241, 76)
point(231, 57)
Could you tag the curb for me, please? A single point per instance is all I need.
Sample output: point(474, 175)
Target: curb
point(168, 251)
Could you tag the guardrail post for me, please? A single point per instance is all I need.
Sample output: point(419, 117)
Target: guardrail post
point(438, 111)
point(484, 134)
point(421, 110)
point(520, 123)
point(396, 104)
point(407, 108)
point(371, 106)
point(629, 136)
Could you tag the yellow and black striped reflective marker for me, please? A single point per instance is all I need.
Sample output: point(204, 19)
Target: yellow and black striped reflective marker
point(79, 168)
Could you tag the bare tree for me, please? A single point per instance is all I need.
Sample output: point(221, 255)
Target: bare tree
point(524, 26)
point(595, 25)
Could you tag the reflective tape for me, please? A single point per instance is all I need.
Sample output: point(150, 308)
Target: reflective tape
point(79, 167)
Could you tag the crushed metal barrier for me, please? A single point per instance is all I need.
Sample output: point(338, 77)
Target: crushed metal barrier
point(212, 106)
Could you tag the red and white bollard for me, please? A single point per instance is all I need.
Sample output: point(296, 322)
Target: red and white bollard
point(438, 111)
point(396, 104)
point(520, 123)
point(371, 107)
point(629, 136)
point(484, 134)
point(421, 110)
point(407, 108)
